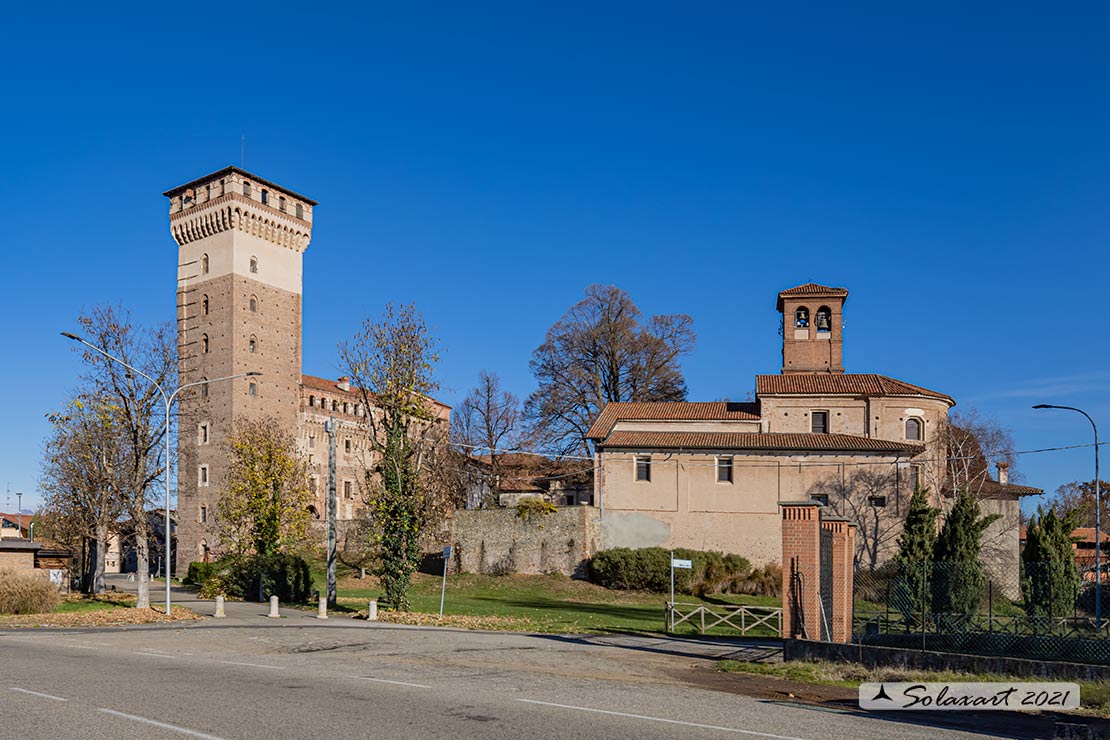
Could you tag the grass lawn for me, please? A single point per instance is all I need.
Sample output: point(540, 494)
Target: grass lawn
point(549, 603)
point(1094, 695)
point(104, 602)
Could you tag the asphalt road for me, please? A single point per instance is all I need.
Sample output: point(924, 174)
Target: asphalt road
point(251, 677)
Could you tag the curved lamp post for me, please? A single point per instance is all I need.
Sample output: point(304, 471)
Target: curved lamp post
point(168, 401)
point(1098, 514)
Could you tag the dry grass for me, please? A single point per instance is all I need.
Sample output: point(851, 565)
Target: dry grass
point(26, 592)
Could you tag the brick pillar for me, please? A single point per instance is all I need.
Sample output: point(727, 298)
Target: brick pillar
point(801, 576)
point(843, 572)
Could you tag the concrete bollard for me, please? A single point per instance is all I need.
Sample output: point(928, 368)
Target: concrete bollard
point(372, 611)
point(274, 607)
point(219, 608)
point(322, 609)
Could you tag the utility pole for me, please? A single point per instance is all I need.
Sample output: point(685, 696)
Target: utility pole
point(19, 513)
point(330, 428)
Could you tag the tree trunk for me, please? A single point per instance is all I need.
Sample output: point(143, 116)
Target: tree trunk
point(98, 562)
point(142, 561)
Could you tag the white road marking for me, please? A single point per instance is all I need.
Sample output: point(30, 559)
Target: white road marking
point(163, 725)
point(253, 665)
point(386, 680)
point(38, 693)
point(660, 719)
point(153, 654)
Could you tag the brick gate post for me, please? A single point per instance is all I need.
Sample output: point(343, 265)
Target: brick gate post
point(843, 572)
point(801, 573)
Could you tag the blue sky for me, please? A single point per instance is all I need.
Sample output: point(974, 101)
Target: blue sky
point(948, 165)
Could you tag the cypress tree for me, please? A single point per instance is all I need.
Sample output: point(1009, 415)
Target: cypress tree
point(1050, 577)
point(958, 576)
point(915, 550)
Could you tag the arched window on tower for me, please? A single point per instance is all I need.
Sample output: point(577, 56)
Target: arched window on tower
point(246, 188)
point(204, 305)
point(265, 197)
point(300, 211)
point(823, 320)
point(254, 264)
point(204, 343)
point(204, 388)
point(914, 430)
point(204, 264)
point(254, 304)
point(252, 345)
point(281, 203)
point(801, 318)
point(312, 402)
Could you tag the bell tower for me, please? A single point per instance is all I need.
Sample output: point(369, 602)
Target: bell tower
point(812, 329)
point(240, 244)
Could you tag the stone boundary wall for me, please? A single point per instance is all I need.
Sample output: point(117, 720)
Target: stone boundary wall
point(874, 656)
point(498, 542)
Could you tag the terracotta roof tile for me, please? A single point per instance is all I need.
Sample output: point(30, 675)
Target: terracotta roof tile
point(330, 386)
point(863, 384)
point(811, 289)
point(671, 411)
point(756, 441)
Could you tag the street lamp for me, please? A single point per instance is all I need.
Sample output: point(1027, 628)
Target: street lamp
point(19, 513)
point(1098, 514)
point(168, 401)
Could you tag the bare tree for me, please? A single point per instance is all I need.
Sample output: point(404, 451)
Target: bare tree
point(488, 421)
point(603, 349)
point(84, 466)
point(152, 351)
point(866, 497)
point(970, 443)
point(1077, 499)
point(391, 362)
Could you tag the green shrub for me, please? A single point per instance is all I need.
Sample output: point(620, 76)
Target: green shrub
point(284, 575)
point(648, 569)
point(200, 572)
point(26, 593)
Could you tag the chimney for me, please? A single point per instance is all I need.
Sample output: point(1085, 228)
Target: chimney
point(344, 383)
point(1004, 473)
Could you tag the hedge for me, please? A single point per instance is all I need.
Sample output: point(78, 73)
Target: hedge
point(648, 569)
point(255, 577)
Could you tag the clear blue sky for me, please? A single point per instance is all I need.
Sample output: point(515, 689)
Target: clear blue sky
point(949, 166)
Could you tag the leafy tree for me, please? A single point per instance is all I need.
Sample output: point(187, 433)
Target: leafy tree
point(958, 576)
point(915, 553)
point(603, 349)
point(391, 361)
point(264, 508)
point(84, 464)
point(1050, 577)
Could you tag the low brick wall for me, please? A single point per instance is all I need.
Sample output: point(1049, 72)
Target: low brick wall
point(497, 541)
point(875, 656)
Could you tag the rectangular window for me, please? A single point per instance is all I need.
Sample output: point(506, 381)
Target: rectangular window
point(203, 514)
point(346, 489)
point(202, 475)
point(877, 501)
point(202, 434)
point(724, 470)
point(311, 441)
point(265, 197)
point(281, 203)
point(300, 211)
point(643, 467)
point(347, 445)
point(820, 422)
point(253, 390)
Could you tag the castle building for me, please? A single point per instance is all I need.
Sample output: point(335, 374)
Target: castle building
point(241, 243)
point(711, 476)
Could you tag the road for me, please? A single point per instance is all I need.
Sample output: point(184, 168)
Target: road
point(298, 677)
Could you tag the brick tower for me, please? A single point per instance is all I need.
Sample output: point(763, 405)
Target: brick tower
point(812, 329)
point(240, 240)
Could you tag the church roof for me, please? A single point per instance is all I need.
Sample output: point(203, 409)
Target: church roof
point(670, 411)
point(811, 289)
point(843, 384)
point(757, 441)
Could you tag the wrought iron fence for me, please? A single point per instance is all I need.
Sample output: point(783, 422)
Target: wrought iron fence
point(1043, 611)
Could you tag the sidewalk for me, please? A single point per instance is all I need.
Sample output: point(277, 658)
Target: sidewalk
point(181, 596)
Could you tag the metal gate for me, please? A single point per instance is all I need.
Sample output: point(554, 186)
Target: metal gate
point(825, 561)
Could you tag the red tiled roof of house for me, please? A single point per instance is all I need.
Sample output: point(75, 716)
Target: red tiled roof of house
point(331, 386)
point(756, 441)
point(670, 411)
point(15, 520)
point(1087, 534)
point(846, 384)
point(811, 289)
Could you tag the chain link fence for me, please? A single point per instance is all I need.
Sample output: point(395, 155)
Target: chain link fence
point(1042, 611)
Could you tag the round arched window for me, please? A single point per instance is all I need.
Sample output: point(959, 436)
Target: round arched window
point(204, 305)
point(252, 345)
point(801, 318)
point(254, 304)
point(204, 343)
point(254, 264)
point(823, 320)
point(914, 430)
point(204, 264)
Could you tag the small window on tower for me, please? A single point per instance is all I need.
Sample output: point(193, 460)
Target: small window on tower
point(253, 390)
point(824, 319)
point(300, 211)
point(311, 401)
point(801, 318)
point(203, 514)
point(252, 345)
point(246, 188)
point(204, 305)
point(265, 197)
point(202, 434)
point(202, 475)
point(254, 304)
point(204, 264)
point(311, 441)
point(281, 203)
point(254, 264)
point(204, 388)
point(204, 343)
point(347, 445)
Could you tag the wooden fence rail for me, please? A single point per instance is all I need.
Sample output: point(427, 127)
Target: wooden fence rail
point(743, 619)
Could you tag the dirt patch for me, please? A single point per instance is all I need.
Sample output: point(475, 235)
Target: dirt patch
point(100, 618)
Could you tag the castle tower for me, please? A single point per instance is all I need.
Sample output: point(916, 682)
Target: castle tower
point(812, 329)
point(240, 242)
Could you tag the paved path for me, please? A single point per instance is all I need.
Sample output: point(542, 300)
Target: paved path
point(251, 677)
